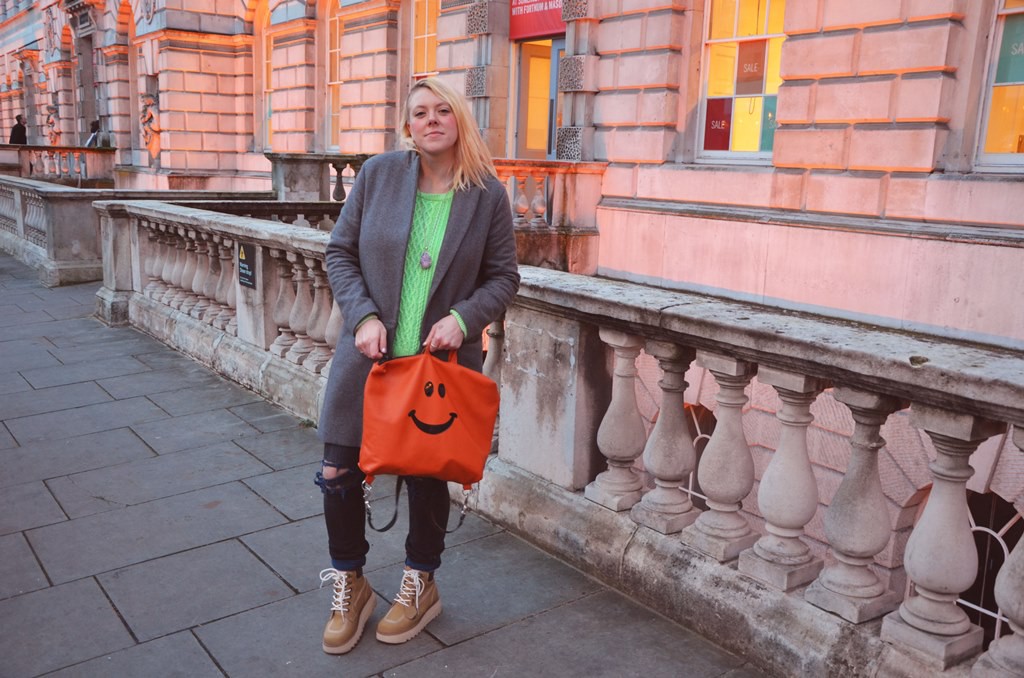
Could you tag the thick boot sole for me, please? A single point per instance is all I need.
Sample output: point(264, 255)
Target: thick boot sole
point(364, 617)
point(399, 638)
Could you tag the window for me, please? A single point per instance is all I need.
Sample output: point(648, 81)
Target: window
point(334, 29)
point(424, 38)
point(1002, 137)
point(742, 47)
point(263, 70)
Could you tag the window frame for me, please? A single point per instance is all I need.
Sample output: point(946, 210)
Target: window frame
point(332, 138)
point(702, 156)
point(414, 36)
point(995, 162)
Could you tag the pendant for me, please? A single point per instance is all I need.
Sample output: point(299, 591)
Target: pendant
point(425, 260)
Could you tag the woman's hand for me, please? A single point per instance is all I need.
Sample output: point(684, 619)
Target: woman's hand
point(445, 335)
point(372, 339)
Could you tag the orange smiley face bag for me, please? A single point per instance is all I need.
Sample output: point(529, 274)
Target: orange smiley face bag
point(427, 417)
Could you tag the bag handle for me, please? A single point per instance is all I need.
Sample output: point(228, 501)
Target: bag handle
point(368, 488)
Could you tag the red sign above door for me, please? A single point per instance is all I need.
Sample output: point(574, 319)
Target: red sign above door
point(535, 19)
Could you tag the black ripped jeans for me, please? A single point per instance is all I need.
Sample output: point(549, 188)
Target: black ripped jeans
point(345, 514)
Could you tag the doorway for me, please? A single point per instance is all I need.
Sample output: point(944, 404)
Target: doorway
point(539, 112)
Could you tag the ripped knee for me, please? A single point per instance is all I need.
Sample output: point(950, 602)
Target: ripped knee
point(337, 479)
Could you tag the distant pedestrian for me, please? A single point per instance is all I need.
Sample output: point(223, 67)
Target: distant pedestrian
point(18, 132)
point(94, 136)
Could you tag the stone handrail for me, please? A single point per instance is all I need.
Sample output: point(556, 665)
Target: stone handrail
point(572, 438)
point(319, 215)
point(53, 228)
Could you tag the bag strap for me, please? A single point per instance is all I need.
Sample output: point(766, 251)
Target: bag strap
point(464, 508)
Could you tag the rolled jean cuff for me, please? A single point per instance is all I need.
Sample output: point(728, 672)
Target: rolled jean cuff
point(421, 567)
point(348, 565)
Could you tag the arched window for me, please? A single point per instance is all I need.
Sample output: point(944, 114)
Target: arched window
point(1002, 133)
point(424, 38)
point(742, 48)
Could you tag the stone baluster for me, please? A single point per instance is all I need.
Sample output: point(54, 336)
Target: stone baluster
point(521, 205)
point(232, 326)
point(225, 250)
point(202, 276)
point(152, 262)
point(333, 333)
point(495, 342)
point(857, 523)
point(726, 469)
point(669, 454)
point(620, 437)
point(212, 280)
point(788, 494)
point(1005, 656)
point(298, 320)
point(283, 305)
point(170, 256)
point(188, 274)
point(941, 558)
point(539, 204)
point(317, 330)
point(176, 294)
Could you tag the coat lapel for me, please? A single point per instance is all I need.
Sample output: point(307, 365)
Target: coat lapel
point(460, 219)
point(401, 218)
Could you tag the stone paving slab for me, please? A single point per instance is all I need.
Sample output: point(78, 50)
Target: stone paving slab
point(222, 394)
point(24, 318)
point(292, 492)
point(22, 354)
point(88, 370)
point(193, 430)
point(35, 640)
point(163, 358)
point(265, 417)
point(148, 595)
point(89, 419)
point(52, 330)
point(29, 505)
point(6, 439)
point(77, 502)
point(52, 458)
point(283, 639)
point(285, 449)
point(144, 480)
point(12, 382)
point(134, 534)
point(176, 656)
point(607, 632)
point(42, 400)
point(69, 351)
point(19, 571)
point(156, 381)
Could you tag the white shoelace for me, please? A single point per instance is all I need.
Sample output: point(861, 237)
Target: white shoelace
point(342, 592)
point(412, 586)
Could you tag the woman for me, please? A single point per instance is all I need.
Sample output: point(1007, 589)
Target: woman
point(423, 255)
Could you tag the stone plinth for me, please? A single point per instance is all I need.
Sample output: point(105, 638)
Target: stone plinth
point(782, 577)
point(856, 610)
point(939, 651)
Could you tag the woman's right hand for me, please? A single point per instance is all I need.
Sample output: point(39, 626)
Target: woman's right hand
point(372, 339)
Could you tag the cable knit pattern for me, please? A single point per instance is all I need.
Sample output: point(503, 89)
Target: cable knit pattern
point(429, 223)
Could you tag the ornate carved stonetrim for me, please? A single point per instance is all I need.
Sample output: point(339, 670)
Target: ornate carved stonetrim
point(569, 143)
point(476, 81)
point(449, 4)
point(577, 73)
point(574, 9)
point(478, 18)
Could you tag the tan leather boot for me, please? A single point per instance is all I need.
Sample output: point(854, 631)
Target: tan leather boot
point(416, 605)
point(351, 606)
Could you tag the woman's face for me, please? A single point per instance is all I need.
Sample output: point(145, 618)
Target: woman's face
point(432, 123)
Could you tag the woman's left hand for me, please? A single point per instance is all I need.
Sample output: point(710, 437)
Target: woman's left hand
point(445, 335)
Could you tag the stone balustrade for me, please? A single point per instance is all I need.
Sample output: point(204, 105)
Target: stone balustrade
point(319, 215)
point(579, 473)
point(570, 421)
point(69, 165)
point(53, 229)
point(555, 211)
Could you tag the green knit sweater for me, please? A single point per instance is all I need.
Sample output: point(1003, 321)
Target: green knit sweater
point(429, 223)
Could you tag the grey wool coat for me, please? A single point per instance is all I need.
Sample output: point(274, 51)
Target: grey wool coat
point(476, 274)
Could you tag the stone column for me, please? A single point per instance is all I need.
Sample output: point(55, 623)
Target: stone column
point(620, 437)
point(726, 470)
point(857, 523)
point(113, 297)
point(941, 559)
point(788, 493)
point(1005, 656)
point(669, 454)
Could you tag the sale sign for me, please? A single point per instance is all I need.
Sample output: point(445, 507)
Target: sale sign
point(535, 18)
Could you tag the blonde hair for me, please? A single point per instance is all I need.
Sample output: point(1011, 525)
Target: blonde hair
point(473, 163)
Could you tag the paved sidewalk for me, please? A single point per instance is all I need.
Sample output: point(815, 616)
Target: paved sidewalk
point(157, 520)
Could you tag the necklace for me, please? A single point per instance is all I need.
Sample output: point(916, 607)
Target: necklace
point(426, 261)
